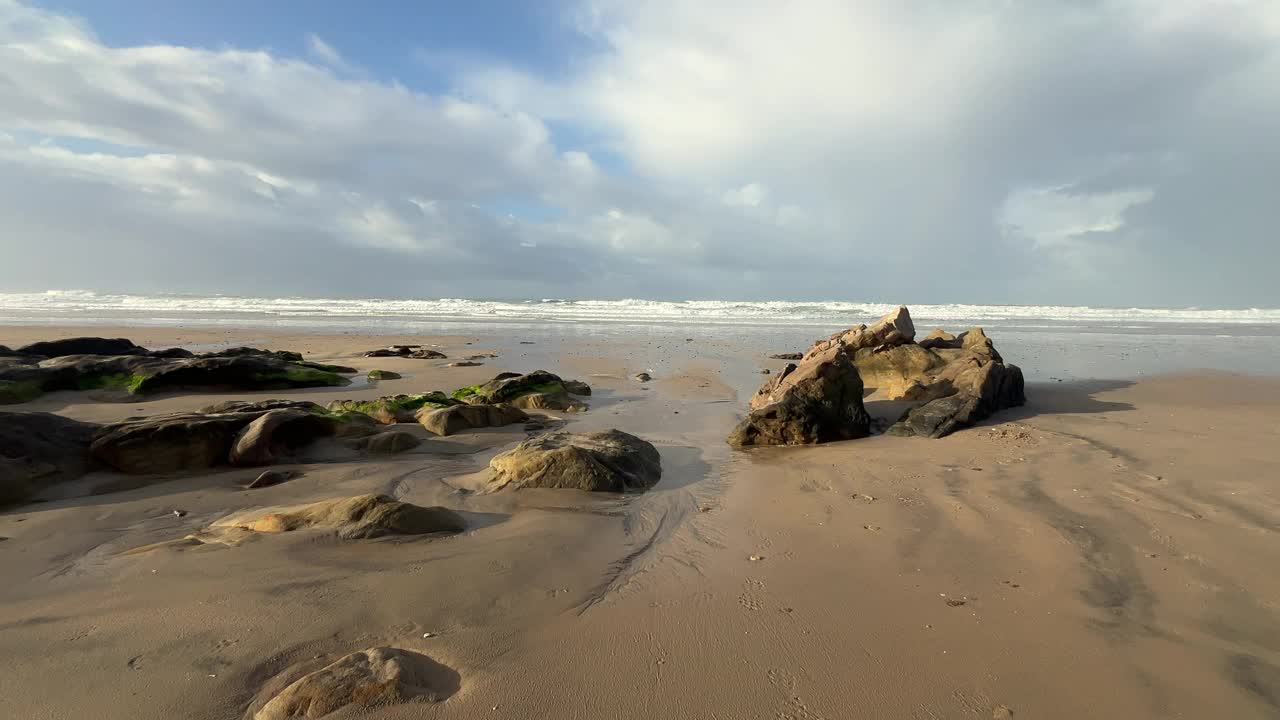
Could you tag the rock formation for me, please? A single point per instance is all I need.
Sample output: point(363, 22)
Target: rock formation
point(460, 418)
point(611, 461)
point(38, 450)
point(819, 400)
point(539, 390)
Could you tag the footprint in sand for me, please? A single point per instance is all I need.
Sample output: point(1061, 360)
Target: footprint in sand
point(750, 601)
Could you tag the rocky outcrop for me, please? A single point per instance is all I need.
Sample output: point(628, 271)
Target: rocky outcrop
point(958, 380)
point(132, 370)
point(819, 400)
point(38, 450)
point(460, 418)
point(611, 461)
point(391, 409)
point(82, 346)
point(370, 678)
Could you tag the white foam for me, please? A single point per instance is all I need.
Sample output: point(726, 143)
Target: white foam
point(84, 305)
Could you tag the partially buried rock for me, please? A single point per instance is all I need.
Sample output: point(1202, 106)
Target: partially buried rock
point(352, 518)
point(366, 679)
point(408, 351)
point(390, 443)
point(787, 356)
point(82, 346)
point(465, 363)
point(538, 390)
point(384, 375)
point(269, 478)
point(819, 400)
point(643, 377)
point(611, 461)
point(459, 418)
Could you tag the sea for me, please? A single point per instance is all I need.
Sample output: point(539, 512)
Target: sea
point(1050, 342)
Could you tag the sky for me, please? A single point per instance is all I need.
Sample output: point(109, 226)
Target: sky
point(1084, 152)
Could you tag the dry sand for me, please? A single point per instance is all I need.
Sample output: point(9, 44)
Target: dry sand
point(1108, 551)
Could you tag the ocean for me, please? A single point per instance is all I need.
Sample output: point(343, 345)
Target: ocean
point(1049, 342)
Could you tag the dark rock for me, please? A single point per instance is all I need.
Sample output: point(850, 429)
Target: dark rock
point(169, 443)
point(407, 351)
point(967, 391)
point(465, 363)
point(384, 375)
point(819, 400)
point(611, 461)
point(391, 409)
point(643, 377)
point(260, 406)
point(38, 450)
point(82, 346)
point(353, 518)
point(577, 387)
point(787, 356)
point(939, 338)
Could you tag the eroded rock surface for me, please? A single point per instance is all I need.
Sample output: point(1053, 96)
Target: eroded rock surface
point(612, 461)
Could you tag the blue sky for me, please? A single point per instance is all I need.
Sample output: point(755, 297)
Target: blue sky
point(1114, 152)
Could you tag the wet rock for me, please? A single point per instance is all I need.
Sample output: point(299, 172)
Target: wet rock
point(787, 356)
point(460, 418)
point(465, 363)
point(538, 390)
point(643, 377)
point(371, 678)
point(407, 351)
point(169, 443)
point(577, 387)
point(611, 461)
point(384, 375)
point(82, 346)
point(38, 450)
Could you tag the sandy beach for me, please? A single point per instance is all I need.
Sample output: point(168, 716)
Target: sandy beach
point(1105, 551)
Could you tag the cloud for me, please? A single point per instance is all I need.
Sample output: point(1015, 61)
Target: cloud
point(978, 150)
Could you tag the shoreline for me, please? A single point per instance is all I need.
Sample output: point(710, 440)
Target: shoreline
point(1091, 554)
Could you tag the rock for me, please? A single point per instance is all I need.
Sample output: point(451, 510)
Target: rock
point(169, 443)
point(481, 356)
point(465, 363)
point(82, 346)
point(459, 418)
point(510, 387)
point(577, 387)
point(6, 352)
point(611, 461)
point(891, 369)
point(643, 377)
point(407, 351)
point(555, 400)
point(765, 371)
point(939, 338)
point(367, 679)
point(787, 356)
point(38, 450)
point(269, 478)
point(277, 431)
point(384, 375)
point(895, 328)
point(526, 342)
point(976, 341)
point(391, 409)
point(283, 355)
point(819, 400)
point(352, 518)
point(965, 392)
point(190, 441)
point(389, 443)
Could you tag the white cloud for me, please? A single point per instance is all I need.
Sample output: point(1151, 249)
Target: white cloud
point(324, 52)
point(1058, 216)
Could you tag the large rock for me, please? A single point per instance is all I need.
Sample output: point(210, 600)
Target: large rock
point(38, 450)
point(538, 390)
point(460, 418)
point(352, 518)
point(367, 679)
point(278, 431)
point(819, 400)
point(82, 346)
point(391, 409)
point(611, 461)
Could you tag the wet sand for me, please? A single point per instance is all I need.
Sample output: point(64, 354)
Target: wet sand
point(1106, 551)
